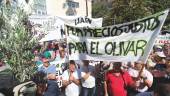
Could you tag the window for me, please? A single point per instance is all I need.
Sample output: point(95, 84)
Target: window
point(71, 4)
point(43, 13)
point(39, 12)
point(71, 12)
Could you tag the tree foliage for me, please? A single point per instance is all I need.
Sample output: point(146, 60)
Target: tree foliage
point(16, 41)
point(122, 11)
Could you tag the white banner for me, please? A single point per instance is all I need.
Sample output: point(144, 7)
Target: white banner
point(124, 42)
point(82, 21)
point(50, 26)
point(162, 39)
point(59, 71)
point(53, 26)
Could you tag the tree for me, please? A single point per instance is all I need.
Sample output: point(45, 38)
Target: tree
point(16, 41)
point(102, 9)
point(128, 10)
point(121, 11)
point(160, 5)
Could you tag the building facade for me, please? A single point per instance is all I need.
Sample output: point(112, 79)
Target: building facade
point(55, 7)
point(63, 7)
point(39, 7)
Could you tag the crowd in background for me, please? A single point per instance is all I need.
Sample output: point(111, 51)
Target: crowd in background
point(101, 78)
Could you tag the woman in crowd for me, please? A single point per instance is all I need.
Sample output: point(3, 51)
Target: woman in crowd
point(88, 79)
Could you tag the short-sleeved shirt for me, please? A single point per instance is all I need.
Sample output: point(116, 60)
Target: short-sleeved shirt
point(134, 73)
point(49, 69)
point(117, 84)
point(72, 89)
point(90, 81)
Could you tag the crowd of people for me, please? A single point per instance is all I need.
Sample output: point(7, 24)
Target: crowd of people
point(101, 78)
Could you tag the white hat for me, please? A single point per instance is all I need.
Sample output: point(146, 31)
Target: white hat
point(158, 46)
point(160, 54)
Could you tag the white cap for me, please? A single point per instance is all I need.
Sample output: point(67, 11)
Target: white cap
point(160, 54)
point(158, 46)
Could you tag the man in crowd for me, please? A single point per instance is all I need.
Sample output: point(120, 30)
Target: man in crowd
point(159, 58)
point(162, 89)
point(117, 81)
point(88, 79)
point(71, 80)
point(50, 70)
point(143, 78)
point(47, 68)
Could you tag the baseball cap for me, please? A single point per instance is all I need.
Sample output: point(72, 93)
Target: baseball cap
point(44, 60)
point(160, 54)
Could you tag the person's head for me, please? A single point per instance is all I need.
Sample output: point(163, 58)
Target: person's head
point(162, 89)
point(39, 77)
point(117, 66)
point(45, 62)
point(85, 62)
point(62, 53)
point(72, 66)
point(35, 52)
point(158, 48)
point(56, 47)
point(49, 45)
point(159, 57)
point(138, 65)
point(53, 45)
point(61, 46)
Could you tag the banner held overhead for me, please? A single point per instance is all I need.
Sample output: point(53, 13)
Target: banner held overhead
point(82, 21)
point(124, 42)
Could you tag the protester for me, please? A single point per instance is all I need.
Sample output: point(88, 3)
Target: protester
point(40, 80)
point(160, 61)
point(37, 58)
point(166, 49)
point(48, 51)
point(143, 78)
point(55, 51)
point(168, 68)
point(52, 88)
point(71, 80)
point(150, 61)
point(100, 68)
point(46, 67)
point(88, 79)
point(117, 81)
point(47, 54)
point(162, 89)
point(62, 55)
point(50, 70)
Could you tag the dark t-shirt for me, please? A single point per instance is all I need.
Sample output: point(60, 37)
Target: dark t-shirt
point(52, 88)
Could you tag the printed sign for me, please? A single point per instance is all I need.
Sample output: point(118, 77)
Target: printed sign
point(82, 21)
point(124, 42)
point(162, 39)
point(59, 71)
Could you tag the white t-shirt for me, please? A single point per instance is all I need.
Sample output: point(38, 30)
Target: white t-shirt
point(90, 81)
point(134, 73)
point(72, 89)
